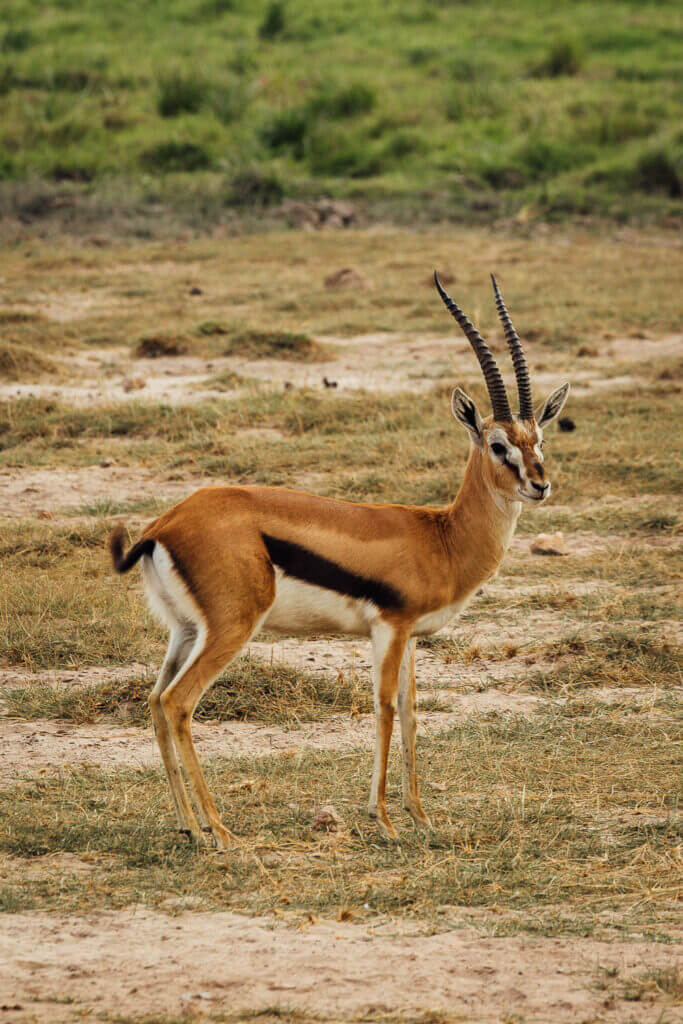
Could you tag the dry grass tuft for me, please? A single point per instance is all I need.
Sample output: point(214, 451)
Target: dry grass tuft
point(21, 362)
point(153, 346)
point(275, 344)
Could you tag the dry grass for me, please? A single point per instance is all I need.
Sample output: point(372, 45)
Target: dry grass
point(567, 820)
point(251, 690)
point(20, 362)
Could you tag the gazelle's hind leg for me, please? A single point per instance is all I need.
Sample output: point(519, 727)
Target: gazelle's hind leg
point(179, 648)
point(178, 703)
point(407, 713)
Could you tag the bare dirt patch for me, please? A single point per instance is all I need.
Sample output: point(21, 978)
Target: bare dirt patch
point(47, 745)
point(27, 492)
point(142, 962)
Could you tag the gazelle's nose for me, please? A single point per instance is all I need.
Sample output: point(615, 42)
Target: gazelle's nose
point(541, 488)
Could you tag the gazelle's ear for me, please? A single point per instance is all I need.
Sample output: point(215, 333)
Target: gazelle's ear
point(465, 412)
point(553, 405)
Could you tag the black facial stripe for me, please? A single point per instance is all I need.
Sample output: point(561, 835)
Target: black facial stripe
point(515, 469)
point(305, 565)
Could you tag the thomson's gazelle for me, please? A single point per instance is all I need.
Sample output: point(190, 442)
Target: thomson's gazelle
point(230, 560)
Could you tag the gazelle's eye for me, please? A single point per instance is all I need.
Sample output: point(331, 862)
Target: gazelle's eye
point(498, 449)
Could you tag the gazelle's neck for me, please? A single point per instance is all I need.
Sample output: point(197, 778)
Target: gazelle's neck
point(480, 527)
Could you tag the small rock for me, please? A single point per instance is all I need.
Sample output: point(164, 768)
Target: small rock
point(327, 820)
point(106, 463)
point(346, 277)
point(566, 423)
point(549, 544)
point(134, 384)
point(196, 291)
point(330, 383)
point(44, 514)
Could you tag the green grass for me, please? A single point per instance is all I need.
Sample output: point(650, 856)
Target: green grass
point(553, 819)
point(553, 110)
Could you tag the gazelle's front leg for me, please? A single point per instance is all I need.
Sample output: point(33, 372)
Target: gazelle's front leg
point(407, 712)
point(388, 644)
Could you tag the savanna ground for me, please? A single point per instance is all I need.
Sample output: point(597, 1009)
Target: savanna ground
point(550, 726)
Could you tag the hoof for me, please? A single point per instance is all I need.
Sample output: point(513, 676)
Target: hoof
point(420, 819)
point(192, 837)
point(222, 838)
point(384, 825)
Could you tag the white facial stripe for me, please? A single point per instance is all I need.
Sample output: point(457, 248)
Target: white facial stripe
point(538, 453)
point(515, 456)
point(512, 452)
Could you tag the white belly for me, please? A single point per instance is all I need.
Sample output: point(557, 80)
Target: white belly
point(303, 609)
point(435, 621)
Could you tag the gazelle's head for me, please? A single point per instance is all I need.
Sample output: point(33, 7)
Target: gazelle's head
point(511, 445)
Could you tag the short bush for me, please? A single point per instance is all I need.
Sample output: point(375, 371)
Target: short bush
point(563, 58)
point(16, 40)
point(273, 24)
point(403, 143)
point(345, 101)
point(656, 172)
point(286, 130)
point(69, 80)
point(474, 100)
point(541, 158)
point(180, 93)
point(254, 188)
point(152, 346)
point(229, 101)
point(176, 156)
point(337, 153)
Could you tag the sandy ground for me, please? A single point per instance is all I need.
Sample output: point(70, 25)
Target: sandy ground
point(47, 744)
point(375, 362)
point(147, 963)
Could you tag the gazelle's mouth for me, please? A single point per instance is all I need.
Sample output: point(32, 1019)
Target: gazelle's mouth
point(535, 498)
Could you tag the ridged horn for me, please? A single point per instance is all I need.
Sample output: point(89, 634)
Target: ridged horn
point(494, 381)
point(526, 405)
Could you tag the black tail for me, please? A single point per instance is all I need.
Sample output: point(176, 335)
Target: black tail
point(122, 563)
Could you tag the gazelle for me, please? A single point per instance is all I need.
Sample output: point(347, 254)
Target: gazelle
point(231, 559)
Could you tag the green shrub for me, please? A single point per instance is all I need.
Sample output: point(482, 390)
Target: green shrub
point(333, 152)
point(541, 158)
point(180, 93)
point(69, 80)
point(656, 172)
point(229, 101)
point(345, 101)
point(563, 58)
point(16, 40)
point(403, 143)
point(474, 100)
point(273, 24)
point(286, 130)
point(176, 156)
point(254, 188)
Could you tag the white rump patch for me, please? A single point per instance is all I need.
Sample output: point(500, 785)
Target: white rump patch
point(168, 596)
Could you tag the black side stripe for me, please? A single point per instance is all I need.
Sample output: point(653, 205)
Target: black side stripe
point(305, 565)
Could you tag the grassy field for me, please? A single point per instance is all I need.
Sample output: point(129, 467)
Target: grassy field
point(212, 108)
point(551, 708)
